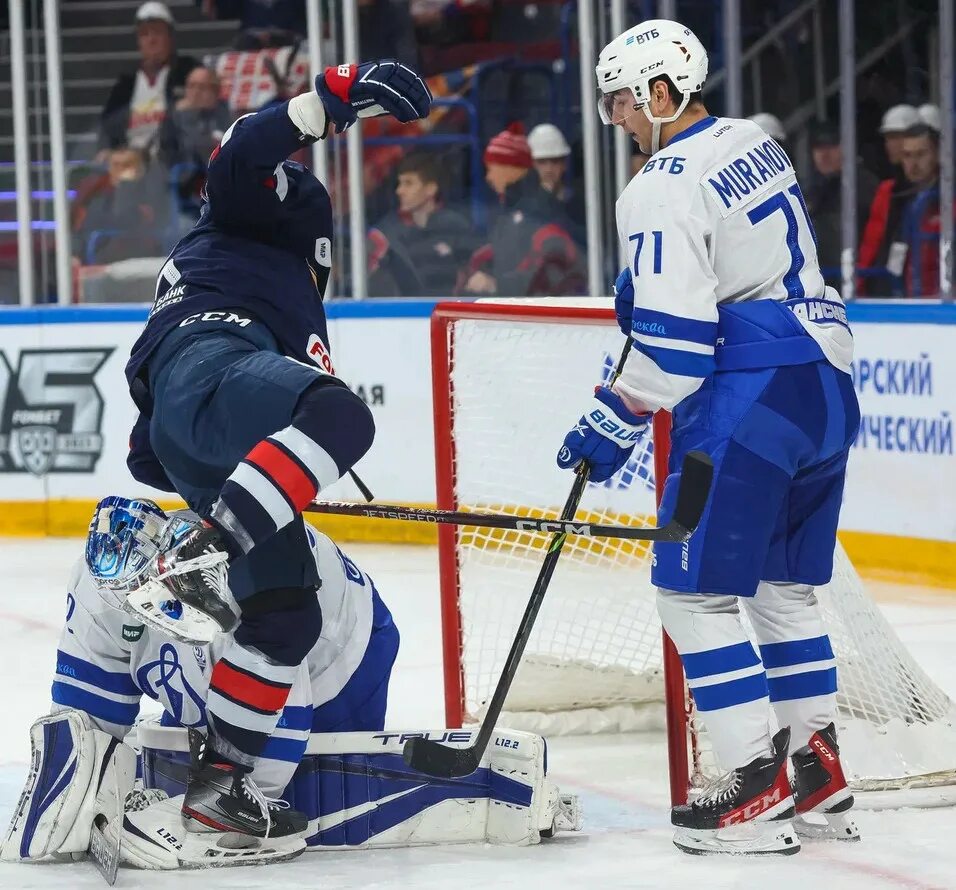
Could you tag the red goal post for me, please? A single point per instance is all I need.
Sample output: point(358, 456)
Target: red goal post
point(443, 318)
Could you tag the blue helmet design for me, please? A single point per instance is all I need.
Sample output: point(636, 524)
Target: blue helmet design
point(123, 540)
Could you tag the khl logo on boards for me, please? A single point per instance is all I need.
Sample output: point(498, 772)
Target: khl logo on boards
point(51, 411)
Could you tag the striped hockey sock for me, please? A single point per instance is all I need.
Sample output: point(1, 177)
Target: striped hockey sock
point(271, 486)
point(247, 694)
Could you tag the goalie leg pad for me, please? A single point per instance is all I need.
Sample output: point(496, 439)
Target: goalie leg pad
point(74, 773)
point(357, 791)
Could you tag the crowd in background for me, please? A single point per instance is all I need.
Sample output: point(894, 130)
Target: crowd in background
point(162, 119)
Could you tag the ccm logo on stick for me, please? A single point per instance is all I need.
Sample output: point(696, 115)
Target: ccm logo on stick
point(552, 527)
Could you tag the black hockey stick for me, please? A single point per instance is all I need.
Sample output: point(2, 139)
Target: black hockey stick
point(439, 760)
point(673, 531)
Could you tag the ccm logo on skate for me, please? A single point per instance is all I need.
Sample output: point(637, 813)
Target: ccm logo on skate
point(822, 750)
point(754, 808)
point(229, 317)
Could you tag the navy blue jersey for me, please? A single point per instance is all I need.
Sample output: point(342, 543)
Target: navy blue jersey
point(262, 247)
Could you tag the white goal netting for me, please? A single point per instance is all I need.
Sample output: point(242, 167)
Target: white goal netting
point(594, 662)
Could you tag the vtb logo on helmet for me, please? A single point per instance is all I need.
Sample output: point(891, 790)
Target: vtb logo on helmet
point(643, 53)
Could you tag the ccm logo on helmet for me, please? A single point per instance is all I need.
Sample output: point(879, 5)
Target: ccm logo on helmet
point(643, 37)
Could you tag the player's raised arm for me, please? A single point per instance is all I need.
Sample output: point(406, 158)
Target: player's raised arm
point(246, 183)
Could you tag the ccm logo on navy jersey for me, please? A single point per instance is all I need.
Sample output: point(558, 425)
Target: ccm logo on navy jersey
point(229, 317)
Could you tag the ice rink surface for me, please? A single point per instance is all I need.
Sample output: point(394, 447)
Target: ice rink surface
point(621, 779)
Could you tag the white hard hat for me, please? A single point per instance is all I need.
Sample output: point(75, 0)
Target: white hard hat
point(155, 11)
point(770, 124)
point(645, 52)
point(899, 118)
point(929, 115)
point(547, 141)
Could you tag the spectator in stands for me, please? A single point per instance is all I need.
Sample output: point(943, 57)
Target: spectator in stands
point(550, 152)
point(896, 121)
point(190, 133)
point(419, 250)
point(891, 226)
point(823, 197)
point(262, 23)
point(140, 99)
point(531, 252)
point(121, 215)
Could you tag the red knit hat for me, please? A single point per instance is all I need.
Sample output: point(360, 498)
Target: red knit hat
point(509, 147)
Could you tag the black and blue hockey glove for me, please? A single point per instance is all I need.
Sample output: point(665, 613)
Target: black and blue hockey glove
point(349, 92)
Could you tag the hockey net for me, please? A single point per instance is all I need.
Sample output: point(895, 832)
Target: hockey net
point(508, 381)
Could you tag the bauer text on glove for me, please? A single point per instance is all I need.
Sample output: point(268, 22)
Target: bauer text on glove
point(605, 436)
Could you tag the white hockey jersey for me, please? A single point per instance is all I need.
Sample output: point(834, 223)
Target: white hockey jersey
point(716, 218)
point(107, 661)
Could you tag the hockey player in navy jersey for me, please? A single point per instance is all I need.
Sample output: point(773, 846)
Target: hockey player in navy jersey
point(331, 724)
point(241, 412)
point(734, 332)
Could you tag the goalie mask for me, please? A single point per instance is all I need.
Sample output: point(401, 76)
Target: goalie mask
point(630, 62)
point(124, 539)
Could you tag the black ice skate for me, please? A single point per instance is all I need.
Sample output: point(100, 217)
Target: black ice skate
point(744, 812)
point(195, 570)
point(222, 797)
point(820, 788)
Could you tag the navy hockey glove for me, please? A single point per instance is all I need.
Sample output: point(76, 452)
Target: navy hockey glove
point(604, 437)
point(624, 301)
point(349, 92)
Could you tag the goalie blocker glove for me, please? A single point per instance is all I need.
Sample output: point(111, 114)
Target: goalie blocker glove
point(349, 92)
point(605, 436)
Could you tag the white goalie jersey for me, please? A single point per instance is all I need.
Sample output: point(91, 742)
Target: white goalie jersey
point(710, 221)
point(107, 661)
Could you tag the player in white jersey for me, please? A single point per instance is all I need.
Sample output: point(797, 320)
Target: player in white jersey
point(734, 332)
point(107, 660)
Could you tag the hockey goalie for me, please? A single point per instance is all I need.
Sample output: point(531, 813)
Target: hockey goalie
point(329, 758)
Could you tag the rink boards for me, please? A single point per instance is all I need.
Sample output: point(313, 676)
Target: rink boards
point(65, 417)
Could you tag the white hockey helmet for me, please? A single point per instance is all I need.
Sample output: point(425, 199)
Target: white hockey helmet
point(643, 53)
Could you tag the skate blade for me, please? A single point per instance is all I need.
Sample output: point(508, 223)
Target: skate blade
point(747, 839)
point(826, 827)
point(203, 851)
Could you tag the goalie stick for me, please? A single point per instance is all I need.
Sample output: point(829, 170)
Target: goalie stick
point(439, 760)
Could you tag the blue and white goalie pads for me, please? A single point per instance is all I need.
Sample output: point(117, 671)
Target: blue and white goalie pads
point(358, 792)
point(77, 773)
